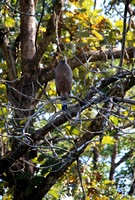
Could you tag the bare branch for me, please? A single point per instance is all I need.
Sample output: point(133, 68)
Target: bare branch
point(113, 158)
point(80, 177)
point(5, 45)
point(125, 157)
point(132, 189)
point(124, 35)
point(50, 30)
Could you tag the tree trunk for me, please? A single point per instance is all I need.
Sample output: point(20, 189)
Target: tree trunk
point(27, 89)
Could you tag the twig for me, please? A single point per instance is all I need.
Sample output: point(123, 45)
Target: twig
point(124, 35)
point(16, 11)
point(80, 177)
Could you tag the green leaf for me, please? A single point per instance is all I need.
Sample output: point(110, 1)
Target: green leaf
point(9, 22)
point(82, 34)
point(115, 120)
point(70, 46)
point(13, 2)
point(76, 73)
point(3, 66)
point(54, 192)
point(133, 2)
point(81, 44)
point(74, 131)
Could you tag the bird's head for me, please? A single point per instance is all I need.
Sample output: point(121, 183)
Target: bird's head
point(63, 59)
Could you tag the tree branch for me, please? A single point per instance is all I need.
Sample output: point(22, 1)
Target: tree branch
point(50, 30)
point(27, 35)
point(124, 35)
point(129, 101)
point(5, 45)
point(74, 152)
point(113, 158)
point(47, 74)
point(7, 161)
point(125, 157)
point(132, 188)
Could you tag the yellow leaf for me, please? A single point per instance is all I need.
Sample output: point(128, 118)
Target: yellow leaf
point(84, 40)
point(107, 182)
point(74, 19)
point(94, 48)
point(74, 2)
point(108, 140)
point(72, 178)
point(133, 2)
point(82, 16)
point(115, 120)
point(101, 23)
point(84, 24)
point(97, 35)
point(124, 198)
point(9, 22)
point(87, 4)
point(42, 29)
point(119, 24)
point(70, 14)
point(65, 40)
point(75, 131)
point(9, 197)
point(104, 198)
point(76, 73)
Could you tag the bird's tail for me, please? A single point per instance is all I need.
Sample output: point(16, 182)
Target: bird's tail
point(64, 104)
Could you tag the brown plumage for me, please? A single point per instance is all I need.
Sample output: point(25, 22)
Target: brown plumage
point(63, 81)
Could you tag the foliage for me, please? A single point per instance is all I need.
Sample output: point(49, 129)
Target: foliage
point(107, 118)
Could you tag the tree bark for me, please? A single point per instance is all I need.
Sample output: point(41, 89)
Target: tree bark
point(47, 74)
point(27, 87)
point(95, 158)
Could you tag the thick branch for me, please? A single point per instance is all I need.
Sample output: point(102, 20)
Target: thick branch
point(51, 179)
point(6, 162)
point(47, 74)
point(4, 43)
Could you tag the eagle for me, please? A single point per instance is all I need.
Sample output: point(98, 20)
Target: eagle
point(63, 81)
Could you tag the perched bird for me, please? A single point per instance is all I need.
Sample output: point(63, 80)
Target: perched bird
point(63, 81)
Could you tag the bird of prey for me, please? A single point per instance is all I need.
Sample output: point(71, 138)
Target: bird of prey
point(63, 81)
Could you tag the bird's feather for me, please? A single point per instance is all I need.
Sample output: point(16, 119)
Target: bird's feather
point(63, 81)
